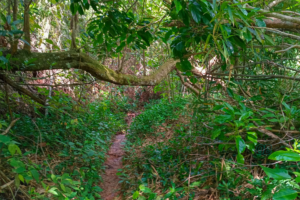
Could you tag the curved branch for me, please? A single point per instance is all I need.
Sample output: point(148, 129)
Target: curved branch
point(71, 59)
point(9, 127)
point(188, 85)
point(285, 50)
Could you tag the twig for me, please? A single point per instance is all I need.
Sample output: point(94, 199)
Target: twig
point(6, 185)
point(9, 127)
point(285, 50)
point(283, 131)
point(7, 102)
point(131, 6)
point(4, 176)
point(290, 12)
point(273, 3)
point(269, 133)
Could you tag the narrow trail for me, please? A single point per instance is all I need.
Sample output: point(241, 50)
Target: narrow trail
point(110, 184)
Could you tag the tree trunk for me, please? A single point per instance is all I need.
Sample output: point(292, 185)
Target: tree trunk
point(26, 29)
point(14, 47)
point(74, 30)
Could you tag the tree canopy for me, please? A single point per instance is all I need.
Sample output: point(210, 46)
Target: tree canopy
point(239, 35)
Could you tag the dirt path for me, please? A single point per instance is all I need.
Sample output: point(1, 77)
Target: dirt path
point(110, 185)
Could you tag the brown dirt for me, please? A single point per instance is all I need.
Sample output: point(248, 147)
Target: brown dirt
point(110, 184)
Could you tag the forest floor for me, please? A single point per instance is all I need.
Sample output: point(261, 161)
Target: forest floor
point(110, 184)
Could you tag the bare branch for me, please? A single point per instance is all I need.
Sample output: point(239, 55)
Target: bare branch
point(285, 50)
point(188, 85)
point(9, 127)
point(277, 15)
point(258, 77)
point(278, 32)
point(291, 12)
point(7, 184)
point(273, 3)
point(272, 135)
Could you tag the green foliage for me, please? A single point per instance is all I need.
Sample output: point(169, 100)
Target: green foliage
point(154, 115)
point(75, 142)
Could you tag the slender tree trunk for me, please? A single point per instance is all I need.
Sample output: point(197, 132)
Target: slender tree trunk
point(14, 47)
point(74, 30)
point(46, 31)
point(144, 62)
point(26, 29)
point(169, 88)
point(50, 91)
point(7, 102)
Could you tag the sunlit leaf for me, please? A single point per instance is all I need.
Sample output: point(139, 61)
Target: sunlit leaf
point(285, 156)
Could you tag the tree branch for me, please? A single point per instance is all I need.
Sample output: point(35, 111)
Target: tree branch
point(285, 50)
point(291, 12)
point(21, 89)
point(188, 85)
point(9, 127)
point(72, 59)
point(277, 15)
point(273, 3)
point(279, 32)
point(258, 76)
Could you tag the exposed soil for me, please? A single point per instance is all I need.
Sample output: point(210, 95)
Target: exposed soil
point(110, 185)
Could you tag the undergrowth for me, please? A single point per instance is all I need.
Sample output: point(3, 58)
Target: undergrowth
point(60, 156)
point(192, 149)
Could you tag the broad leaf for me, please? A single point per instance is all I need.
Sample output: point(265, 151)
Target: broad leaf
point(17, 180)
point(277, 174)
point(215, 133)
point(136, 195)
point(145, 189)
point(285, 156)
point(240, 144)
point(240, 159)
point(53, 191)
point(13, 148)
point(260, 23)
point(35, 175)
point(252, 137)
point(178, 6)
point(285, 194)
point(195, 11)
point(245, 115)
point(3, 138)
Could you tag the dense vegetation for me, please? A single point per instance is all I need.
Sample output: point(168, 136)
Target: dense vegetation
point(212, 85)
